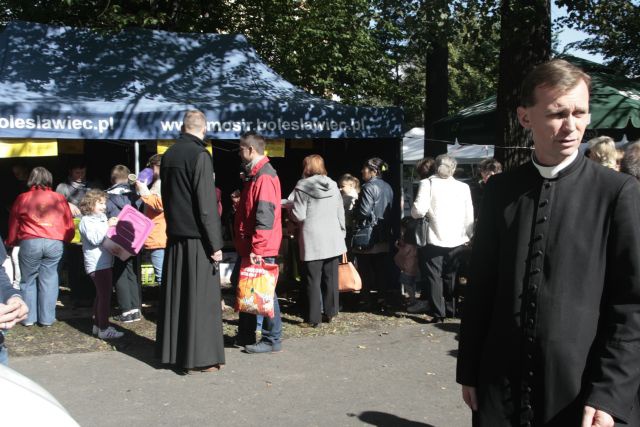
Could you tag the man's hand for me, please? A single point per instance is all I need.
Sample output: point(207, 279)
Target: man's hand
point(75, 211)
point(217, 256)
point(255, 259)
point(469, 396)
point(596, 417)
point(14, 311)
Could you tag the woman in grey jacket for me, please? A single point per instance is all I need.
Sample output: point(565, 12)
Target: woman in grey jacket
point(318, 207)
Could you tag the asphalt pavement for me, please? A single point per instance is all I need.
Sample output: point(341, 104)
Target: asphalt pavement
point(398, 377)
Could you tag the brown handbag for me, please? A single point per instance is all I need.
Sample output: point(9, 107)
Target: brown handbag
point(348, 277)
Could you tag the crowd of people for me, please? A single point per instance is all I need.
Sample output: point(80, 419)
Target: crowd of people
point(550, 317)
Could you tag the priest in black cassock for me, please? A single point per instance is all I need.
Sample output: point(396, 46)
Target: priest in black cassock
point(550, 332)
point(189, 334)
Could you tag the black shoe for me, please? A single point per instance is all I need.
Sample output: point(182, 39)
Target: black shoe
point(436, 319)
point(239, 342)
point(326, 319)
point(308, 325)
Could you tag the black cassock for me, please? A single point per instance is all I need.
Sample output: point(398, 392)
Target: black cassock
point(189, 332)
point(551, 317)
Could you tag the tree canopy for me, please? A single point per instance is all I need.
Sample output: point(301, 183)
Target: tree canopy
point(615, 27)
point(363, 52)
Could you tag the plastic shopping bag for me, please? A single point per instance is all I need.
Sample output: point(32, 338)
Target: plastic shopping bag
point(256, 288)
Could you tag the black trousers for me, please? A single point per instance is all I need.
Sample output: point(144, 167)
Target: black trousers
point(322, 288)
point(126, 282)
point(373, 269)
point(80, 283)
point(439, 266)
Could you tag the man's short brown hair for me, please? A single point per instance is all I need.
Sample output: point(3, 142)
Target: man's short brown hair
point(119, 173)
point(556, 73)
point(254, 140)
point(313, 165)
point(194, 121)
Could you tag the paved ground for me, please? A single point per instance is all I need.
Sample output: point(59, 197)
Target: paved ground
point(398, 377)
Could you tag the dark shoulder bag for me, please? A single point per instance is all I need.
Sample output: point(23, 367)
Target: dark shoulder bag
point(363, 234)
point(422, 231)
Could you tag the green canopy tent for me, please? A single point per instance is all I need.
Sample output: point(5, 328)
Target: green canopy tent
point(614, 105)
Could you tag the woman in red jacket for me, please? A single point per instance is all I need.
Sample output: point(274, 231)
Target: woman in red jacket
point(40, 221)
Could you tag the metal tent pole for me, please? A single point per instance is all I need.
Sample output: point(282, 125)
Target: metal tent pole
point(136, 154)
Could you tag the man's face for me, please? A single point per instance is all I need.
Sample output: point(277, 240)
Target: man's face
point(78, 174)
point(557, 122)
point(245, 153)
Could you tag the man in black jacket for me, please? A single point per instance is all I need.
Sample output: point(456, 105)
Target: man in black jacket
point(189, 334)
point(550, 332)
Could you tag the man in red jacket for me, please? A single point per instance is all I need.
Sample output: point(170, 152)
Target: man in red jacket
point(258, 233)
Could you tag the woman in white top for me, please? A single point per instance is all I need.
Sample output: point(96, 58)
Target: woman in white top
point(447, 204)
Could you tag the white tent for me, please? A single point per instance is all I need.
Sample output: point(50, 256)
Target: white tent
point(413, 149)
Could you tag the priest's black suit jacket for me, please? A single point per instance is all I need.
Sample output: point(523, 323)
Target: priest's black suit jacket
point(551, 317)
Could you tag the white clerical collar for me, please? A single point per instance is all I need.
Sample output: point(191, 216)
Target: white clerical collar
point(550, 172)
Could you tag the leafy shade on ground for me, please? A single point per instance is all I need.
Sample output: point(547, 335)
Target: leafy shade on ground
point(72, 332)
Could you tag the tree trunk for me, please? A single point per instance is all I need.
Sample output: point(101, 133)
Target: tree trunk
point(437, 94)
point(525, 41)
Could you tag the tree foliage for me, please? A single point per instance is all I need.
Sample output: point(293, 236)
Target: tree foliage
point(474, 50)
point(364, 52)
point(615, 27)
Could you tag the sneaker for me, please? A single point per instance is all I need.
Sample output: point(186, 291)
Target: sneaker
point(124, 318)
point(128, 318)
point(419, 307)
point(109, 334)
point(263, 347)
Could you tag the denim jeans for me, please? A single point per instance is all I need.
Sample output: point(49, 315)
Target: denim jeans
point(39, 260)
point(157, 258)
point(271, 327)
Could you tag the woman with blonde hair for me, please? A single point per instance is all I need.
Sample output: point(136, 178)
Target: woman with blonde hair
point(318, 207)
point(602, 149)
